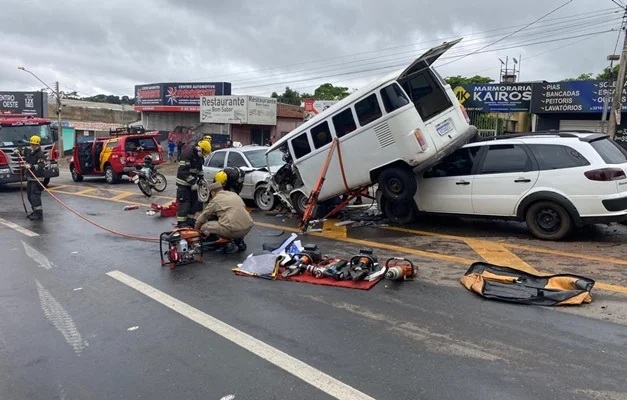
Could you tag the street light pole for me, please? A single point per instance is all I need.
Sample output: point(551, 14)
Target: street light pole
point(57, 94)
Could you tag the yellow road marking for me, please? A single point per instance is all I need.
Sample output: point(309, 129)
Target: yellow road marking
point(89, 196)
point(331, 230)
point(121, 196)
point(368, 243)
point(514, 246)
point(495, 253)
point(115, 191)
point(85, 191)
point(57, 186)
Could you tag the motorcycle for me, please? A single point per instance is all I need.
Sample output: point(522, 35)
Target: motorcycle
point(147, 178)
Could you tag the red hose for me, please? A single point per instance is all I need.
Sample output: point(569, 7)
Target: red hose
point(142, 238)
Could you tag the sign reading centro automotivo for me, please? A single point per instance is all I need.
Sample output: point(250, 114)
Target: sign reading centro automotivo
point(31, 103)
point(177, 96)
point(574, 97)
point(497, 97)
point(252, 110)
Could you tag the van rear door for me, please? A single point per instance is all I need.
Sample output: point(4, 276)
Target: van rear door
point(434, 100)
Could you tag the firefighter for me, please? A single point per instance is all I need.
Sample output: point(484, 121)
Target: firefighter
point(190, 169)
point(231, 179)
point(34, 160)
point(225, 215)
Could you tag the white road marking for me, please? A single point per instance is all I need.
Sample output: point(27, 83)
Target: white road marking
point(228, 397)
point(39, 258)
point(132, 328)
point(77, 289)
point(305, 372)
point(61, 319)
point(18, 228)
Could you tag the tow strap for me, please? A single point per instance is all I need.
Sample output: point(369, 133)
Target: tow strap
point(512, 285)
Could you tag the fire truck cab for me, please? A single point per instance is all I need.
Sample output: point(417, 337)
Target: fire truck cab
point(110, 156)
point(15, 132)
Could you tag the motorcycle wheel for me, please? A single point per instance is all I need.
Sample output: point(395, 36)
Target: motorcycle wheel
point(160, 182)
point(203, 191)
point(144, 186)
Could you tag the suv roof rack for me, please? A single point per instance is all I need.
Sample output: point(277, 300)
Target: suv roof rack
point(561, 133)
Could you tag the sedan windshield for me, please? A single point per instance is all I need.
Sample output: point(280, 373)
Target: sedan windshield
point(257, 158)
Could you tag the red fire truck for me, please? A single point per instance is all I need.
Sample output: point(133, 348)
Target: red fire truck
point(16, 131)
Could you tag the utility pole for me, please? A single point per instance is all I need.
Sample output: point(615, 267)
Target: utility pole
point(59, 128)
point(615, 114)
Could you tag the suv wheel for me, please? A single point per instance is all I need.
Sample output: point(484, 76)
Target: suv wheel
point(110, 176)
point(400, 212)
point(548, 220)
point(76, 177)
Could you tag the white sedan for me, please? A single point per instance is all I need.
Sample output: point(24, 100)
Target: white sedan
point(252, 160)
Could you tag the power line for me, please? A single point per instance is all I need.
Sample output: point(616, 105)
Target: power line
point(618, 4)
point(400, 65)
point(516, 31)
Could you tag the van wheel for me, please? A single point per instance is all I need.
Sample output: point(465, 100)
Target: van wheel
point(548, 220)
point(110, 176)
point(400, 212)
point(398, 184)
point(299, 202)
point(76, 177)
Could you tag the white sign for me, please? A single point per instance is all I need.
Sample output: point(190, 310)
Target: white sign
point(224, 109)
point(262, 110)
point(315, 107)
point(251, 110)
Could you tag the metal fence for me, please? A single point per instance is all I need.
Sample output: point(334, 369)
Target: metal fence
point(489, 124)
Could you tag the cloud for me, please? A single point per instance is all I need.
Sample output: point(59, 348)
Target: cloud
point(110, 46)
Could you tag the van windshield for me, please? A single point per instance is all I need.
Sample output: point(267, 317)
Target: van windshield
point(426, 93)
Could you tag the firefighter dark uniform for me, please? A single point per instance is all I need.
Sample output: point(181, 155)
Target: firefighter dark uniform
point(190, 169)
point(231, 179)
point(35, 159)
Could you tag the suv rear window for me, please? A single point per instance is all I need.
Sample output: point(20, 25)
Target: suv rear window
point(610, 151)
point(148, 144)
point(425, 91)
point(551, 156)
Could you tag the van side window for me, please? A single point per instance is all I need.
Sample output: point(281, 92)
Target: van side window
point(344, 123)
point(393, 98)
point(321, 135)
point(428, 96)
point(368, 110)
point(301, 147)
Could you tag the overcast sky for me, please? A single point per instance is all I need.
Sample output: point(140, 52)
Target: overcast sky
point(262, 46)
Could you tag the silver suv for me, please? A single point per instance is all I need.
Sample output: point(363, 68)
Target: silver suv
point(252, 160)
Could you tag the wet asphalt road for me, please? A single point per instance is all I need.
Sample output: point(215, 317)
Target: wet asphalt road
point(69, 331)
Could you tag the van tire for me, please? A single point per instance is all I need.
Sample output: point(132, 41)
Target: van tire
point(548, 220)
point(299, 202)
point(400, 212)
point(398, 184)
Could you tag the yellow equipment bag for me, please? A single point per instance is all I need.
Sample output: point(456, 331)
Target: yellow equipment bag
point(512, 285)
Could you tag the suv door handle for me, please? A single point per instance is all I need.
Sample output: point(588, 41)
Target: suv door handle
point(462, 183)
point(522, 180)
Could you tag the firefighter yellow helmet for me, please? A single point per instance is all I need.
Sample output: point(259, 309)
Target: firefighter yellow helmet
point(205, 147)
point(220, 177)
point(36, 140)
point(207, 138)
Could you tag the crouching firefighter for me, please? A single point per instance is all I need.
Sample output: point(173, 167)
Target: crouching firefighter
point(225, 216)
point(34, 160)
point(231, 179)
point(190, 169)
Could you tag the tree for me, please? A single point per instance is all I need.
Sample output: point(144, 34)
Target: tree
point(458, 80)
point(327, 91)
point(582, 77)
point(607, 74)
point(290, 96)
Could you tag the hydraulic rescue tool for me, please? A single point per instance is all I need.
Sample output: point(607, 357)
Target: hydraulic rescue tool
point(362, 265)
point(399, 268)
point(310, 255)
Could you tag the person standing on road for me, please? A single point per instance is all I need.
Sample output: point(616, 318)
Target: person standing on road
point(179, 150)
point(190, 169)
point(34, 159)
point(171, 146)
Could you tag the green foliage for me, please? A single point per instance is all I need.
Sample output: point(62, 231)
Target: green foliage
point(327, 91)
point(458, 80)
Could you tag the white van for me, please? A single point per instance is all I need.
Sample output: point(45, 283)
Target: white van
point(386, 130)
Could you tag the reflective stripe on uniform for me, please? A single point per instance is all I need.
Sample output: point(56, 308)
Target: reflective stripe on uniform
point(181, 219)
point(181, 182)
point(38, 208)
point(184, 163)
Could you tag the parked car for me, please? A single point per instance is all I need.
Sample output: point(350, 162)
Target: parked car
point(109, 156)
point(553, 181)
point(252, 160)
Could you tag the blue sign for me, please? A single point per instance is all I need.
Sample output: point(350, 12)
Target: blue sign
point(495, 97)
point(177, 96)
point(574, 97)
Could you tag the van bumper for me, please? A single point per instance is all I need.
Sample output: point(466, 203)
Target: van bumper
point(468, 136)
